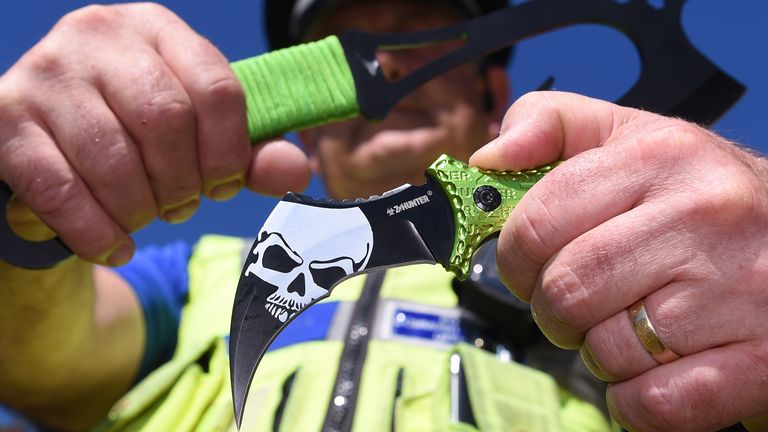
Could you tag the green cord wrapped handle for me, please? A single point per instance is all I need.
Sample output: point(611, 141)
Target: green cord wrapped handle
point(297, 87)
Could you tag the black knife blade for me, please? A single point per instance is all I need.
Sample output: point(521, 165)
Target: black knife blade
point(308, 246)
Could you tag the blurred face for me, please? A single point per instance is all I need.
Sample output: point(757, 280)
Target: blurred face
point(449, 114)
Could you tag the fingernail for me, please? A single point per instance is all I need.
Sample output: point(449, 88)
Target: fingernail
point(180, 212)
point(225, 189)
point(612, 409)
point(536, 315)
point(120, 256)
point(589, 361)
point(511, 287)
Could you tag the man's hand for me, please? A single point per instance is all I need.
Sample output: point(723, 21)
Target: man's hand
point(121, 114)
point(645, 207)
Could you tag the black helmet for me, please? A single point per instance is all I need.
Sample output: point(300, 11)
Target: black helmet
point(287, 20)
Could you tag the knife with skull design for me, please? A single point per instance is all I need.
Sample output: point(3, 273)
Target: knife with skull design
point(307, 246)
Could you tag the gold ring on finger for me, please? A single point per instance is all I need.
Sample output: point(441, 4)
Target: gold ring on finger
point(647, 334)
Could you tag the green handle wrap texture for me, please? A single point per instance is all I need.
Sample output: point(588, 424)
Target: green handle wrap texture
point(473, 224)
point(296, 88)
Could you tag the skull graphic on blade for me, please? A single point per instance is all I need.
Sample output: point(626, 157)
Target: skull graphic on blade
point(304, 263)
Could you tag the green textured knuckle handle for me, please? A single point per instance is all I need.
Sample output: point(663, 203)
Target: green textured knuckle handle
point(296, 87)
point(481, 201)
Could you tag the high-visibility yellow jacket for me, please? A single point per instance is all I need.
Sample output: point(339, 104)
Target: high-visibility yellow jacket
point(401, 381)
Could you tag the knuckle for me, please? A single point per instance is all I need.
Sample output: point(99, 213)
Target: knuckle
point(222, 90)
point(172, 196)
point(604, 350)
point(172, 193)
point(609, 347)
point(533, 227)
point(14, 107)
point(90, 18)
point(531, 99)
point(153, 9)
point(541, 105)
point(98, 17)
point(218, 165)
point(676, 132)
point(106, 19)
point(140, 219)
point(735, 202)
point(566, 295)
point(132, 215)
point(661, 408)
point(741, 196)
point(57, 200)
point(756, 357)
point(46, 62)
point(667, 144)
point(215, 169)
point(524, 101)
point(51, 196)
point(168, 110)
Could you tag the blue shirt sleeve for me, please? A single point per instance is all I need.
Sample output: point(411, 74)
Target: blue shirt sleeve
point(160, 280)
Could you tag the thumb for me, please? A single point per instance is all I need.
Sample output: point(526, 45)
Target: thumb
point(278, 166)
point(542, 127)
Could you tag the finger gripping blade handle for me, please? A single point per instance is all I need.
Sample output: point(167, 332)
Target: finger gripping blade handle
point(481, 202)
point(24, 253)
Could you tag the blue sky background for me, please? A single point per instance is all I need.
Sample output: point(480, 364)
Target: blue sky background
point(592, 60)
